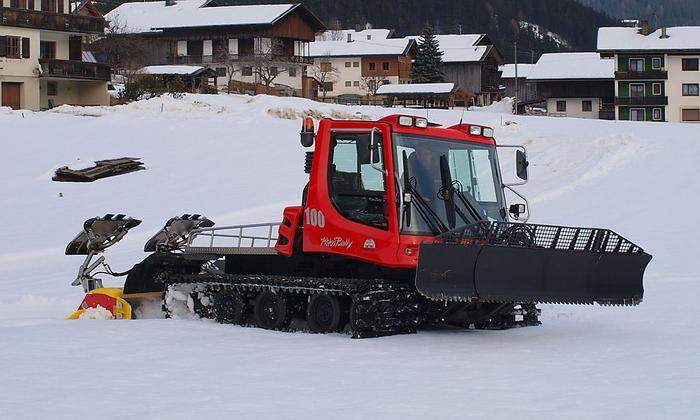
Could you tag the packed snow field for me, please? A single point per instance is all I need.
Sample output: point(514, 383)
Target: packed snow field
point(237, 159)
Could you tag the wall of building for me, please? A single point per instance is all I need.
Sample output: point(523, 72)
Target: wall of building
point(73, 92)
point(351, 73)
point(574, 108)
point(674, 89)
point(464, 75)
point(23, 70)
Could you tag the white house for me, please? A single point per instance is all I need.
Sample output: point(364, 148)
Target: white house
point(357, 67)
point(578, 85)
point(657, 75)
point(41, 59)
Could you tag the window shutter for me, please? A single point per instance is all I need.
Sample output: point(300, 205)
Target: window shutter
point(60, 7)
point(3, 46)
point(25, 47)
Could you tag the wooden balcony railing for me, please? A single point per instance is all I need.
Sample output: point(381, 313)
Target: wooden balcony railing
point(69, 69)
point(207, 59)
point(641, 100)
point(50, 21)
point(642, 75)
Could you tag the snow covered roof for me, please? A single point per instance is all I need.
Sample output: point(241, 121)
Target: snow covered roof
point(363, 35)
point(460, 48)
point(392, 46)
point(508, 70)
point(142, 17)
point(586, 65)
point(416, 88)
point(174, 69)
point(629, 39)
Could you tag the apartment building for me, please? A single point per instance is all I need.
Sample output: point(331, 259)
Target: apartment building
point(657, 75)
point(252, 44)
point(41, 57)
point(356, 66)
point(578, 85)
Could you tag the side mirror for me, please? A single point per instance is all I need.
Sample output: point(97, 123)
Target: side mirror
point(521, 165)
point(516, 210)
point(374, 151)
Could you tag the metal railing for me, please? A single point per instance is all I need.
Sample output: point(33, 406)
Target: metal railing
point(523, 235)
point(234, 239)
point(51, 21)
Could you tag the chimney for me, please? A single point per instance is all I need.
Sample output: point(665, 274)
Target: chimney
point(664, 33)
point(169, 3)
point(349, 37)
point(644, 27)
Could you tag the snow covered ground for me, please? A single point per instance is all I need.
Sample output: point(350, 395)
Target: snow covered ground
point(237, 159)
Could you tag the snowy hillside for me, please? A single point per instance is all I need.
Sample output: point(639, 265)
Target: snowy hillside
point(237, 159)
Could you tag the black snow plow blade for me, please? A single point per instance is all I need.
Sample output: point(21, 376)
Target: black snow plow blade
point(512, 262)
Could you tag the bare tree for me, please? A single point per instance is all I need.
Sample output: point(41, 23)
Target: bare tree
point(335, 31)
point(373, 80)
point(324, 72)
point(228, 61)
point(266, 65)
point(124, 52)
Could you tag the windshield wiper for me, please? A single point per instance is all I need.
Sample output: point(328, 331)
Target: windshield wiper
point(434, 222)
point(448, 191)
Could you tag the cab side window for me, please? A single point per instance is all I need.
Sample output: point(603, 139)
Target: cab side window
point(356, 184)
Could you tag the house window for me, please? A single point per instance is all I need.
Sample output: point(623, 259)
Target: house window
point(690, 115)
point(385, 66)
point(636, 90)
point(656, 63)
point(637, 114)
point(356, 83)
point(372, 66)
point(327, 87)
point(221, 71)
point(690, 64)
point(47, 49)
point(561, 106)
point(51, 88)
point(292, 71)
point(326, 67)
point(348, 64)
point(247, 71)
point(636, 64)
point(356, 64)
point(348, 84)
point(656, 88)
point(657, 114)
point(690, 89)
point(13, 50)
point(587, 106)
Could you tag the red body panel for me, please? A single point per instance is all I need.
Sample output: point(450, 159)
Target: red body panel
point(325, 230)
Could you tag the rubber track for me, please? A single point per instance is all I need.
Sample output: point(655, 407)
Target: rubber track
point(381, 307)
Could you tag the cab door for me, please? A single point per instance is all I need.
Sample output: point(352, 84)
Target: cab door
point(351, 204)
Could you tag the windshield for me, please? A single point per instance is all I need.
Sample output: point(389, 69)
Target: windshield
point(473, 171)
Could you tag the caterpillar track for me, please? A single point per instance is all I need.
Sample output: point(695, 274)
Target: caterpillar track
point(361, 308)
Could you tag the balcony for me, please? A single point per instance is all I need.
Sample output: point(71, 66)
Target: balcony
point(641, 75)
point(208, 59)
point(51, 21)
point(68, 69)
point(641, 100)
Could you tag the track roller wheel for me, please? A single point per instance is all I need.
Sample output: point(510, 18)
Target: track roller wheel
point(271, 311)
point(230, 308)
point(325, 314)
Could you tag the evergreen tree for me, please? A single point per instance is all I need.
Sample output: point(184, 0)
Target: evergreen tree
point(427, 67)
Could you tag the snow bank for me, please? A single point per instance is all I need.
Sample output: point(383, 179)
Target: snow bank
point(237, 159)
point(504, 106)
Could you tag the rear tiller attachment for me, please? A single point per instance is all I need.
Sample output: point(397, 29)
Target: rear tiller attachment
point(515, 262)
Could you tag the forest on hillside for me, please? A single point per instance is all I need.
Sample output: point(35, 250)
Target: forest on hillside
point(658, 12)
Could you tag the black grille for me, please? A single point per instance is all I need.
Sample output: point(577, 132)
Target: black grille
point(308, 161)
point(540, 236)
